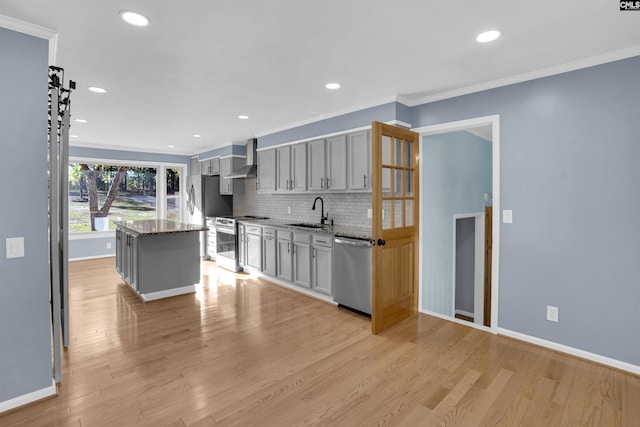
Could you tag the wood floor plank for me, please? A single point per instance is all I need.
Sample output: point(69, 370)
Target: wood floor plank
point(242, 351)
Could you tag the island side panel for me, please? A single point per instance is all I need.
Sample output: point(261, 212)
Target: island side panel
point(168, 261)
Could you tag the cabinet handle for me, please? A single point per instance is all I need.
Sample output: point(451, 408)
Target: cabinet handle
point(314, 252)
point(291, 185)
point(256, 185)
point(322, 183)
point(288, 247)
point(365, 180)
point(328, 183)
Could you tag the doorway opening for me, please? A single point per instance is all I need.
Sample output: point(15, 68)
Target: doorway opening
point(460, 179)
point(468, 267)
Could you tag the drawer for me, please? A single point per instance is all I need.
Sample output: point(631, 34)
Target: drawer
point(302, 237)
point(253, 229)
point(323, 240)
point(269, 232)
point(284, 234)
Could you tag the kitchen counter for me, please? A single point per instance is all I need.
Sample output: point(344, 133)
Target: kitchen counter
point(336, 230)
point(160, 226)
point(158, 259)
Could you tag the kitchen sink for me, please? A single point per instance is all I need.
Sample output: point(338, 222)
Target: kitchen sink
point(306, 225)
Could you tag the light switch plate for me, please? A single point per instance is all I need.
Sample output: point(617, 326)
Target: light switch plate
point(15, 247)
point(507, 216)
point(552, 313)
point(369, 213)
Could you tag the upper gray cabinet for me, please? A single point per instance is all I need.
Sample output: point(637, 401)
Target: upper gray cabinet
point(316, 165)
point(210, 166)
point(291, 168)
point(327, 165)
point(359, 155)
point(194, 167)
point(266, 181)
point(231, 186)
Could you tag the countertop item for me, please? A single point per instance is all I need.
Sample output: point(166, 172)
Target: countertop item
point(159, 226)
point(336, 230)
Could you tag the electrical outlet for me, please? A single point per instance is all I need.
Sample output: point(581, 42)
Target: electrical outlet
point(288, 209)
point(507, 216)
point(108, 245)
point(369, 213)
point(552, 313)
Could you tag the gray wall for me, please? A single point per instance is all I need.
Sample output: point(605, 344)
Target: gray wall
point(456, 173)
point(25, 341)
point(465, 258)
point(569, 171)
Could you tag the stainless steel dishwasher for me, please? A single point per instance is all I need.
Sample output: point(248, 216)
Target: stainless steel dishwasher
point(352, 274)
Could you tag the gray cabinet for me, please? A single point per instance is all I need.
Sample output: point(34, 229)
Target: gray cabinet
point(291, 168)
point(322, 263)
point(269, 249)
point(266, 171)
point(302, 259)
point(120, 250)
point(210, 166)
point(242, 245)
point(284, 255)
point(253, 241)
point(211, 239)
point(194, 167)
point(359, 157)
point(316, 165)
point(327, 164)
point(129, 258)
point(336, 179)
point(231, 186)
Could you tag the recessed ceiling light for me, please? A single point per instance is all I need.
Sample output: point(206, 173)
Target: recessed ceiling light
point(97, 89)
point(73, 136)
point(243, 117)
point(80, 121)
point(488, 36)
point(170, 146)
point(333, 86)
point(134, 18)
point(195, 135)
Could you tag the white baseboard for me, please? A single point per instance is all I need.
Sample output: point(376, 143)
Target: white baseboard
point(168, 293)
point(92, 257)
point(460, 321)
point(325, 298)
point(29, 397)
point(603, 360)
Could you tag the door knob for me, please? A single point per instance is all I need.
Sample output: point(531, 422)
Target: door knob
point(381, 242)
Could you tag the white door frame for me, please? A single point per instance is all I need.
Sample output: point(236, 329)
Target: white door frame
point(494, 121)
point(478, 266)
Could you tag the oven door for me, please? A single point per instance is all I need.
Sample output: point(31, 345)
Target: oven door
point(226, 245)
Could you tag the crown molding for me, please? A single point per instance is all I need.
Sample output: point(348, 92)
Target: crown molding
point(533, 75)
point(33, 30)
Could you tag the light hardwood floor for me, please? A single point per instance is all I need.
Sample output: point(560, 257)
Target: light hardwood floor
point(246, 352)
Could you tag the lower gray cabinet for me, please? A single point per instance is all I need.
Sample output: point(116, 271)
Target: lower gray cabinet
point(130, 259)
point(302, 259)
point(322, 264)
point(269, 254)
point(254, 251)
point(284, 256)
point(242, 245)
point(119, 251)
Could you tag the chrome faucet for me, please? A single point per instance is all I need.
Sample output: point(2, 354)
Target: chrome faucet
point(313, 208)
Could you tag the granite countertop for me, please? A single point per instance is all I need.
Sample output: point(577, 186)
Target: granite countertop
point(160, 226)
point(336, 230)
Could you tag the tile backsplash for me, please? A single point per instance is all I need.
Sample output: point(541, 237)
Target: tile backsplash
point(346, 209)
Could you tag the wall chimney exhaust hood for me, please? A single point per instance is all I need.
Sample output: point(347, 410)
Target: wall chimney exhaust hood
point(251, 168)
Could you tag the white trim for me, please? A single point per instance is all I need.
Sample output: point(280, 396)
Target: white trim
point(151, 150)
point(494, 121)
point(33, 30)
point(25, 399)
point(464, 313)
point(84, 258)
point(85, 235)
point(399, 123)
point(460, 321)
point(533, 75)
point(614, 363)
point(240, 156)
point(116, 162)
point(152, 296)
point(348, 110)
point(207, 158)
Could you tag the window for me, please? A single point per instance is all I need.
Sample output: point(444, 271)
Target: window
point(102, 193)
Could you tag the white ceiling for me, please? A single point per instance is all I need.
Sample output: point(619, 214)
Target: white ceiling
point(201, 63)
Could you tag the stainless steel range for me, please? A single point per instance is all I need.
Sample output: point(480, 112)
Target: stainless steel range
point(227, 240)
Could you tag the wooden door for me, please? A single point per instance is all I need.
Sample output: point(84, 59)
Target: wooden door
point(394, 225)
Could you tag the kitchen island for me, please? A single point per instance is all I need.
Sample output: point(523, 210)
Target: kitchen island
point(158, 258)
